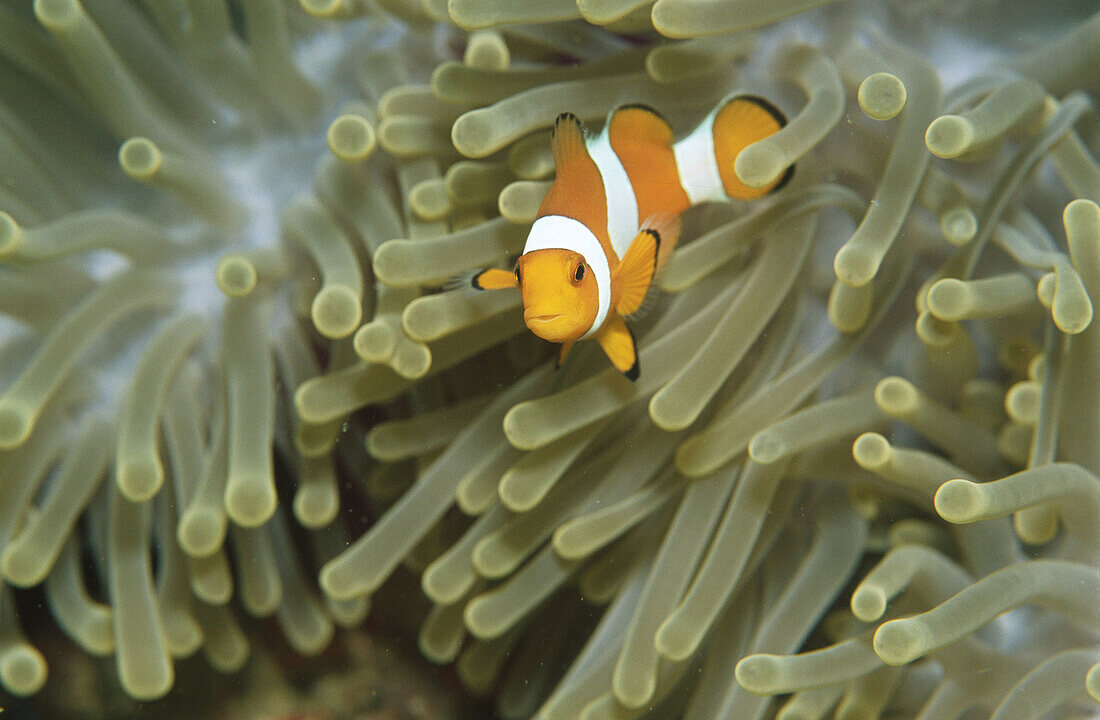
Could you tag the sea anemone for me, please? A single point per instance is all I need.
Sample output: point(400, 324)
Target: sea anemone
point(865, 435)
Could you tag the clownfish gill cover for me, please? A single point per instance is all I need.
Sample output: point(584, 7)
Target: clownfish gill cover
point(298, 416)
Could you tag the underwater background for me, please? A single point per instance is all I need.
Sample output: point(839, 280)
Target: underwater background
point(261, 456)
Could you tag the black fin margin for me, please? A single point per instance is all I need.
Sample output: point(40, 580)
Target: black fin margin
point(643, 106)
point(787, 175)
point(635, 369)
point(766, 106)
point(656, 251)
point(780, 118)
point(656, 247)
point(568, 117)
point(656, 235)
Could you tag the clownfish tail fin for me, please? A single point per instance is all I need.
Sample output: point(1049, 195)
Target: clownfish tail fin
point(740, 122)
point(768, 107)
point(781, 121)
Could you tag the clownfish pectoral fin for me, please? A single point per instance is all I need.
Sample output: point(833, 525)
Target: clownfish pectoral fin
point(618, 342)
point(562, 352)
point(635, 272)
point(494, 279)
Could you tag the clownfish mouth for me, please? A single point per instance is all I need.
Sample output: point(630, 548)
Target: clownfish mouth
point(553, 327)
point(542, 318)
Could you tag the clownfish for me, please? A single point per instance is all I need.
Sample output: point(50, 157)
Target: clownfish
point(612, 217)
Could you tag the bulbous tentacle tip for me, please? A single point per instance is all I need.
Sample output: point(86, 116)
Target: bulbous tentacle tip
point(23, 670)
point(868, 603)
point(758, 674)
point(882, 95)
point(140, 158)
point(1092, 682)
point(949, 136)
point(16, 425)
point(896, 396)
point(250, 499)
point(139, 479)
point(334, 582)
point(899, 642)
point(675, 641)
point(1082, 212)
point(872, 451)
point(11, 235)
point(336, 311)
point(201, 531)
point(58, 15)
point(961, 501)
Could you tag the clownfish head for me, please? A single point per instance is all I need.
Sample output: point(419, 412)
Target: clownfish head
point(560, 295)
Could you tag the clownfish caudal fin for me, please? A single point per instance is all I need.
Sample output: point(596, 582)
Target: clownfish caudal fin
point(635, 273)
point(743, 120)
point(494, 279)
point(618, 342)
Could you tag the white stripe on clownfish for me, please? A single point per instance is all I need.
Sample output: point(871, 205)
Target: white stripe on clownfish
point(622, 205)
point(697, 164)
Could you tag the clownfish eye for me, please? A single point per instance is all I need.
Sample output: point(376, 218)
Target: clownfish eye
point(578, 275)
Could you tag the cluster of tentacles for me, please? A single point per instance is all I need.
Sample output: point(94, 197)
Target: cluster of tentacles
point(860, 466)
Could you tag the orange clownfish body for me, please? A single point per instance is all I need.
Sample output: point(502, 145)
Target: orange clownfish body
point(611, 217)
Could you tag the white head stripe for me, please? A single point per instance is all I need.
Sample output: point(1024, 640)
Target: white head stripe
point(622, 205)
point(558, 232)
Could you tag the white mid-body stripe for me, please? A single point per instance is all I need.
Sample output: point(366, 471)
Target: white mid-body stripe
point(622, 206)
point(696, 164)
point(559, 232)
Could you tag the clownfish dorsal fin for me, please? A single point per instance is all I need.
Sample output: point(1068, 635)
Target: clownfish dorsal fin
point(567, 141)
point(577, 191)
point(618, 343)
point(643, 141)
point(636, 270)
